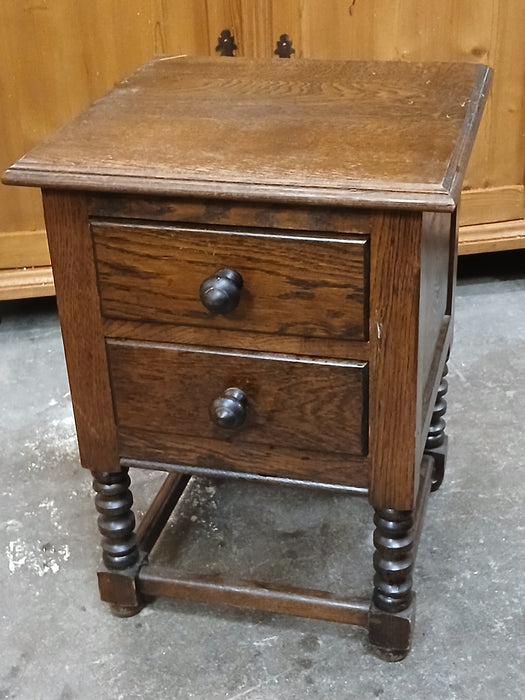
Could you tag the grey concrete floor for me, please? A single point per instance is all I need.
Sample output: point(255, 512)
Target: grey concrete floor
point(59, 642)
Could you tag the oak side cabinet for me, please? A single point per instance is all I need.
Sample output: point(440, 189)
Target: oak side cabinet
point(254, 263)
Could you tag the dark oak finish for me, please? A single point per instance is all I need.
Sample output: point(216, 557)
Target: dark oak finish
point(118, 584)
point(153, 522)
point(391, 134)
point(232, 213)
point(236, 339)
point(255, 263)
point(116, 521)
point(71, 248)
point(393, 605)
point(208, 456)
point(315, 604)
point(436, 442)
point(393, 561)
point(325, 485)
point(298, 414)
point(394, 312)
point(292, 285)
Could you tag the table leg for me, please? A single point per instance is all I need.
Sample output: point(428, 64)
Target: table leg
point(393, 602)
point(436, 444)
point(120, 553)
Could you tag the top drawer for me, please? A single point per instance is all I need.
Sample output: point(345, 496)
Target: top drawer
point(294, 284)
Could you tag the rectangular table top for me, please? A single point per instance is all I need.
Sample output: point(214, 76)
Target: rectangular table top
point(352, 133)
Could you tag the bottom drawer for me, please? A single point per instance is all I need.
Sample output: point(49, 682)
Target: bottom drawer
point(291, 417)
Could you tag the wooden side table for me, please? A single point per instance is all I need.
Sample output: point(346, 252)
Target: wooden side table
point(254, 264)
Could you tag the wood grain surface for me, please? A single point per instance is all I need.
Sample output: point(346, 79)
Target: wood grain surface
point(81, 324)
point(294, 284)
point(394, 324)
point(212, 588)
point(294, 406)
point(231, 213)
point(351, 132)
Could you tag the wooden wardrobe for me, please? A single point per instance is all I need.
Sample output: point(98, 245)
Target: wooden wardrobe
point(57, 56)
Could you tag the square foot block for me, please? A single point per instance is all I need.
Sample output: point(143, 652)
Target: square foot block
point(390, 634)
point(119, 589)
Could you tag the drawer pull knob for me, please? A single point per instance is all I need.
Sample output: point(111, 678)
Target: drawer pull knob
point(229, 410)
point(220, 294)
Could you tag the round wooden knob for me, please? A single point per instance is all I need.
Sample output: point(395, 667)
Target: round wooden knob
point(220, 294)
point(229, 410)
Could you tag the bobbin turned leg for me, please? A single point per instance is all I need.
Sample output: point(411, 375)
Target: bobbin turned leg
point(120, 553)
point(393, 602)
point(436, 444)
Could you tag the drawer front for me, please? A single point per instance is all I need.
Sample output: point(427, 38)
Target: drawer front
point(302, 285)
point(299, 415)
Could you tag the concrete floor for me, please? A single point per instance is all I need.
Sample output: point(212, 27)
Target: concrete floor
point(58, 642)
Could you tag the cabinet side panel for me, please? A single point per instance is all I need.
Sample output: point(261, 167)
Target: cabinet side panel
point(395, 246)
point(436, 304)
point(71, 253)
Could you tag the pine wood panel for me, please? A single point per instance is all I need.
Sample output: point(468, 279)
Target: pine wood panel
point(485, 238)
point(25, 283)
point(24, 249)
point(250, 23)
point(491, 205)
point(56, 56)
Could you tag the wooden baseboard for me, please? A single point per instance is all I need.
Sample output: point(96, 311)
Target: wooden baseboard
point(491, 205)
point(490, 238)
point(26, 283)
point(23, 249)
